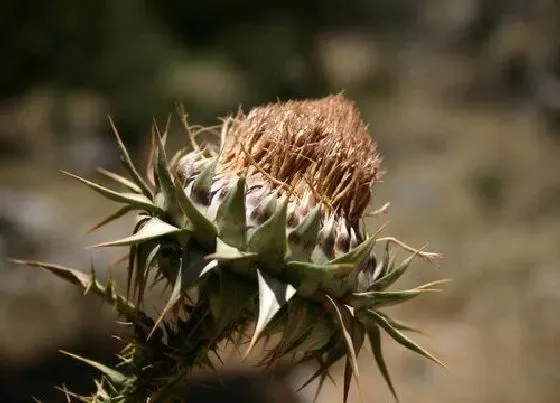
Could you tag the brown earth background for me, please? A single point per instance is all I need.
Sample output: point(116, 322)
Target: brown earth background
point(463, 97)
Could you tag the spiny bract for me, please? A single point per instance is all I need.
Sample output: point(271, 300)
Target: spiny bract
point(267, 228)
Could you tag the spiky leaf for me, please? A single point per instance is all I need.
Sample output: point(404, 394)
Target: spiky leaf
point(175, 296)
point(225, 253)
point(193, 265)
point(76, 277)
point(338, 284)
point(230, 218)
point(273, 295)
point(202, 185)
point(309, 277)
point(135, 200)
point(325, 242)
point(269, 239)
point(133, 187)
point(375, 342)
point(345, 321)
point(134, 266)
point(391, 277)
point(164, 177)
point(153, 228)
point(128, 164)
point(357, 336)
point(384, 298)
point(303, 238)
point(115, 216)
point(112, 375)
point(142, 270)
point(401, 338)
point(400, 325)
point(357, 255)
point(203, 230)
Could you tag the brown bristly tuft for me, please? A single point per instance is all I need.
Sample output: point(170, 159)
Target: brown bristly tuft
point(320, 147)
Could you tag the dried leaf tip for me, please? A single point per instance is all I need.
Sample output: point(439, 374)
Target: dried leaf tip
point(319, 147)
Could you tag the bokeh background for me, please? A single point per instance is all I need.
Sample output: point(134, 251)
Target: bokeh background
point(463, 97)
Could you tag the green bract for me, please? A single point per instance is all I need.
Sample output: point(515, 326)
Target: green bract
point(266, 230)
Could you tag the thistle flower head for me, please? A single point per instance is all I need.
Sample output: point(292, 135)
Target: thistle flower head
point(266, 231)
point(316, 150)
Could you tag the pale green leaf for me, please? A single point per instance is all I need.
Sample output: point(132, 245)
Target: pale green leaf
point(87, 282)
point(112, 375)
point(202, 185)
point(339, 284)
point(357, 336)
point(192, 265)
point(164, 177)
point(135, 200)
point(230, 217)
point(269, 239)
point(322, 252)
point(400, 325)
point(345, 320)
point(391, 277)
point(203, 230)
point(402, 338)
point(115, 216)
point(273, 295)
point(309, 277)
point(303, 238)
point(375, 342)
point(128, 165)
point(357, 255)
point(150, 259)
point(154, 228)
point(368, 321)
point(127, 183)
point(385, 298)
point(132, 256)
point(209, 267)
point(142, 252)
point(225, 252)
point(264, 209)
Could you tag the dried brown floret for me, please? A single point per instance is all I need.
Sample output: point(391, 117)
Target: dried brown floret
point(319, 147)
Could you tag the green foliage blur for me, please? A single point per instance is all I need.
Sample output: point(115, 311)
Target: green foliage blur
point(122, 49)
point(462, 96)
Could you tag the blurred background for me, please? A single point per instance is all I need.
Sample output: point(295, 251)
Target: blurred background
point(463, 97)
